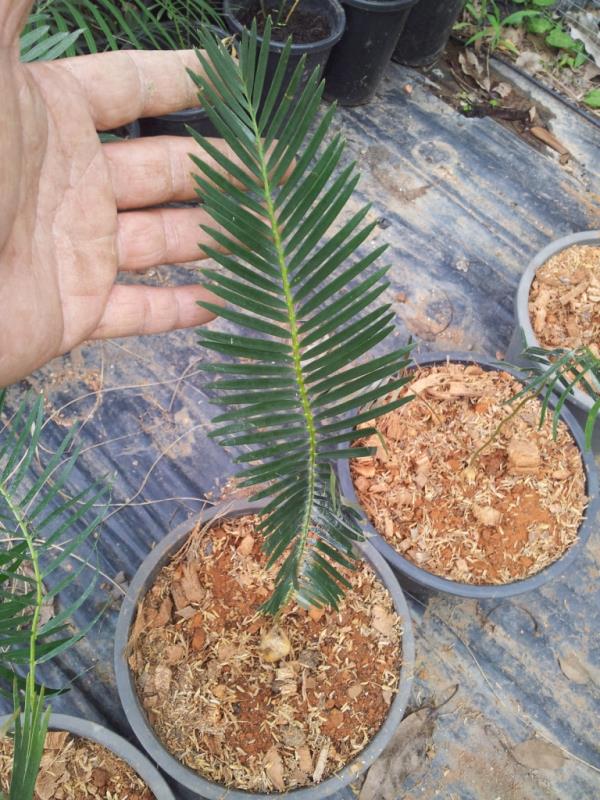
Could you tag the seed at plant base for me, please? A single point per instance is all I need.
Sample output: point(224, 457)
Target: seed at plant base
point(274, 646)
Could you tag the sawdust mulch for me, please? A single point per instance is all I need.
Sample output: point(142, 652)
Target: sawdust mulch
point(245, 702)
point(74, 768)
point(511, 512)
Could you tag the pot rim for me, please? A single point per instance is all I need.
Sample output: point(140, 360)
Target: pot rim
point(523, 320)
point(87, 729)
point(383, 6)
point(338, 20)
point(145, 734)
point(488, 590)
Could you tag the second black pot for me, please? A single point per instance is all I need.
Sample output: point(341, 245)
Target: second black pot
point(176, 124)
point(316, 53)
point(358, 62)
point(426, 32)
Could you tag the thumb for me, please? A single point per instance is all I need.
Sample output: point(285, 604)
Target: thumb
point(13, 16)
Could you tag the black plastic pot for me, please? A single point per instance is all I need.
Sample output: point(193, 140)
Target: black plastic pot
point(316, 53)
point(192, 785)
point(426, 32)
point(116, 744)
point(357, 64)
point(421, 582)
point(176, 124)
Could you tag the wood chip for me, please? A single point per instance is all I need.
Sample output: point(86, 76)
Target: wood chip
point(274, 646)
point(305, 761)
point(191, 585)
point(274, 769)
point(487, 515)
point(321, 762)
point(246, 545)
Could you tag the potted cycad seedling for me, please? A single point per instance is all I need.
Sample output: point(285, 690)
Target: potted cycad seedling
point(557, 308)
point(476, 489)
point(243, 667)
point(40, 532)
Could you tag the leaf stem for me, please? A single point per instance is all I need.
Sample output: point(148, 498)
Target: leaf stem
point(295, 342)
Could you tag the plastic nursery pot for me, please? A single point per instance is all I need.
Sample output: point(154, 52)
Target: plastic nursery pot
point(417, 580)
point(316, 53)
point(357, 64)
point(426, 32)
point(523, 335)
point(177, 123)
point(85, 729)
point(192, 784)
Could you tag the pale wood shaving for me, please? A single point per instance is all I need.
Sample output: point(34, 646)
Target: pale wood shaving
point(74, 768)
point(564, 300)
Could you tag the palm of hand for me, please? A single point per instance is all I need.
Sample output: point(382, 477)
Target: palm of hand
point(76, 212)
point(60, 258)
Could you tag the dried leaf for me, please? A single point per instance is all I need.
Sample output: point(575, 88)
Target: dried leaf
point(538, 754)
point(404, 756)
point(549, 139)
point(530, 61)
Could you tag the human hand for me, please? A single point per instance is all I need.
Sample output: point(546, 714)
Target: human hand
point(67, 218)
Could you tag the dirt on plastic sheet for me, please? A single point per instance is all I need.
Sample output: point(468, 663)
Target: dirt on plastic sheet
point(248, 702)
point(74, 768)
point(499, 517)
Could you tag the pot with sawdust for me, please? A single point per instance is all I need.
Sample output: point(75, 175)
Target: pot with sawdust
point(232, 703)
point(467, 493)
point(84, 759)
point(558, 306)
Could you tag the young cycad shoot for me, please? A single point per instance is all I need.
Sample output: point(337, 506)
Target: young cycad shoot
point(305, 297)
point(35, 521)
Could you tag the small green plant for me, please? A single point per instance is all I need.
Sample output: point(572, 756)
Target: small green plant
point(40, 531)
point(592, 98)
point(486, 16)
point(536, 18)
point(294, 381)
point(284, 11)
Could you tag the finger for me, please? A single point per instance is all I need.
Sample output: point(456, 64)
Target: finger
point(140, 310)
point(13, 15)
point(157, 169)
point(125, 85)
point(162, 236)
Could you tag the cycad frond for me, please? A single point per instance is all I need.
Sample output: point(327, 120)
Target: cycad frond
point(559, 372)
point(34, 519)
point(308, 312)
